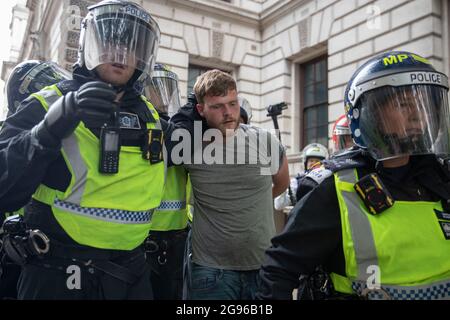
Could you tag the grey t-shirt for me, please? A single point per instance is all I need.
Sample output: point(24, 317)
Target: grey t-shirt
point(233, 216)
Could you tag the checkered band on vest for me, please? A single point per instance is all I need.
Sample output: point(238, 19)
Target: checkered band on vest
point(112, 215)
point(436, 291)
point(172, 205)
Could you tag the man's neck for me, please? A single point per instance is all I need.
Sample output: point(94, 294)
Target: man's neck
point(396, 162)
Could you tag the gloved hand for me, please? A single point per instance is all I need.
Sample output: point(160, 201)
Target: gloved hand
point(282, 201)
point(93, 101)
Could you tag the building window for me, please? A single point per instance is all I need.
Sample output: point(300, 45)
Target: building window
point(195, 71)
point(314, 92)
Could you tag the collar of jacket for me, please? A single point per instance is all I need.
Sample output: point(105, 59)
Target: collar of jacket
point(132, 102)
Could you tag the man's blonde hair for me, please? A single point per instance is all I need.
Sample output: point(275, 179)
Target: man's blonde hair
point(213, 83)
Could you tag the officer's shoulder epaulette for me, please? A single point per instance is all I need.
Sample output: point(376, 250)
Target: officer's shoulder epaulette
point(326, 168)
point(66, 86)
point(318, 173)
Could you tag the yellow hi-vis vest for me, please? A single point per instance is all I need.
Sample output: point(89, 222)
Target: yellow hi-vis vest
point(107, 211)
point(172, 213)
point(400, 254)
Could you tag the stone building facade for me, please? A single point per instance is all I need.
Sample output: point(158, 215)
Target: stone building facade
point(301, 52)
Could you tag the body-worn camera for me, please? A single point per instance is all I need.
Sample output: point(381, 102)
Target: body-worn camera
point(276, 109)
point(374, 194)
point(153, 148)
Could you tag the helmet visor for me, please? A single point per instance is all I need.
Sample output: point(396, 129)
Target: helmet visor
point(42, 75)
point(345, 141)
point(163, 92)
point(45, 74)
point(407, 120)
point(115, 36)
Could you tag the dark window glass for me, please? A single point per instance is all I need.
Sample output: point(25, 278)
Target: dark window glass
point(195, 71)
point(314, 89)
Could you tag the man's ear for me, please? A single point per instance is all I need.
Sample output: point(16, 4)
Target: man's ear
point(200, 108)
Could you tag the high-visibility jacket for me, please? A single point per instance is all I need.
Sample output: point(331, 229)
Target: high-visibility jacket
point(172, 213)
point(400, 253)
point(108, 211)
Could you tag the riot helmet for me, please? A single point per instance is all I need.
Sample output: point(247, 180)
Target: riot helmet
point(342, 136)
point(397, 105)
point(122, 33)
point(314, 151)
point(29, 77)
point(162, 90)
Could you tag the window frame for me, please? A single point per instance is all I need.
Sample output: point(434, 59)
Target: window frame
point(303, 108)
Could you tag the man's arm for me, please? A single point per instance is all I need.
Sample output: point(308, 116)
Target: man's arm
point(281, 178)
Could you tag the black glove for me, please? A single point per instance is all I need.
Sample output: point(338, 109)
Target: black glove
point(94, 101)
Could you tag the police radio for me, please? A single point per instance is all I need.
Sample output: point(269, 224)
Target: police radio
point(110, 148)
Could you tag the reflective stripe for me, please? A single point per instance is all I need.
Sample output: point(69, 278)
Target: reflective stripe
point(168, 205)
point(72, 150)
point(347, 175)
point(70, 147)
point(47, 96)
point(73, 155)
point(435, 291)
point(363, 240)
point(50, 97)
point(112, 215)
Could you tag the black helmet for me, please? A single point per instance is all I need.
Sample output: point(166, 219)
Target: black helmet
point(192, 99)
point(246, 110)
point(121, 32)
point(29, 77)
point(162, 90)
point(397, 105)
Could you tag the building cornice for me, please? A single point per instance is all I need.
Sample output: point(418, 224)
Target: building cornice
point(220, 9)
point(279, 10)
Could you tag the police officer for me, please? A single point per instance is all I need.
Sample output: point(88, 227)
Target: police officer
point(94, 209)
point(377, 225)
point(312, 154)
point(27, 77)
point(168, 229)
point(342, 136)
point(31, 76)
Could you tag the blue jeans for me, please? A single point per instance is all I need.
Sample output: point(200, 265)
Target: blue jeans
point(217, 284)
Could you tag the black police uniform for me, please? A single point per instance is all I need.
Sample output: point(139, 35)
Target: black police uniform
point(33, 165)
point(305, 183)
point(313, 237)
point(165, 254)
